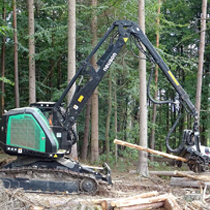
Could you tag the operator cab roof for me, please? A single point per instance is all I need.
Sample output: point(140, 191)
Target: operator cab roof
point(43, 104)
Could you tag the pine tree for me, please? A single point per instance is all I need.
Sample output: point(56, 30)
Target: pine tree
point(142, 167)
point(32, 75)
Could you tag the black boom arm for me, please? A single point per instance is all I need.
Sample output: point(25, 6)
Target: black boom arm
point(82, 94)
point(124, 29)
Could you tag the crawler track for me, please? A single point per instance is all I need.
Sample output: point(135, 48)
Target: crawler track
point(47, 180)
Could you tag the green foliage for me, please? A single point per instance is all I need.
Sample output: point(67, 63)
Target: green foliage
point(126, 159)
point(153, 163)
point(159, 164)
point(7, 81)
point(4, 30)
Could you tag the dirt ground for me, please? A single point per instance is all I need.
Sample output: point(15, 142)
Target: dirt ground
point(126, 183)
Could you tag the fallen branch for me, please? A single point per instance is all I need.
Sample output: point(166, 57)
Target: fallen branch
point(134, 146)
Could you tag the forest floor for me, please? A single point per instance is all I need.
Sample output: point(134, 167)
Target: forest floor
point(126, 183)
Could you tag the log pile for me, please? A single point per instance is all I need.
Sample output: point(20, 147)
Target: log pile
point(150, 200)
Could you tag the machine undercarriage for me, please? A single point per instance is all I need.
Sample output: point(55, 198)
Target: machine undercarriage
point(54, 176)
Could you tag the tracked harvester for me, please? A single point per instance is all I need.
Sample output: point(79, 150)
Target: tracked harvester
point(43, 133)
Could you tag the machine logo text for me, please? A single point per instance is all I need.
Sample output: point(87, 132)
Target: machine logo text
point(110, 61)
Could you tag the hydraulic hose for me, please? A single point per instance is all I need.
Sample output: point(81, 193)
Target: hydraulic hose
point(149, 95)
point(182, 145)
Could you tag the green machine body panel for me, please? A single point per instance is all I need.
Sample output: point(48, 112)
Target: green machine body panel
point(26, 131)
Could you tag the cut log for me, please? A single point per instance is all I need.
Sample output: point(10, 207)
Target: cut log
point(143, 195)
point(174, 173)
point(134, 146)
point(163, 173)
point(204, 178)
point(184, 182)
point(36, 208)
point(139, 201)
point(171, 204)
point(103, 203)
point(192, 197)
point(142, 206)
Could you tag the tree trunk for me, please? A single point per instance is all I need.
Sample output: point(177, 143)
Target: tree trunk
point(94, 127)
point(3, 51)
point(94, 116)
point(17, 98)
point(51, 85)
point(59, 74)
point(108, 118)
point(201, 57)
point(86, 131)
point(142, 167)
point(115, 120)
point(32, 75)
point(152, 143)
point(125, 118)
point(168, 121)
point(72, 59)
point(160, 123)
point(173, 119)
